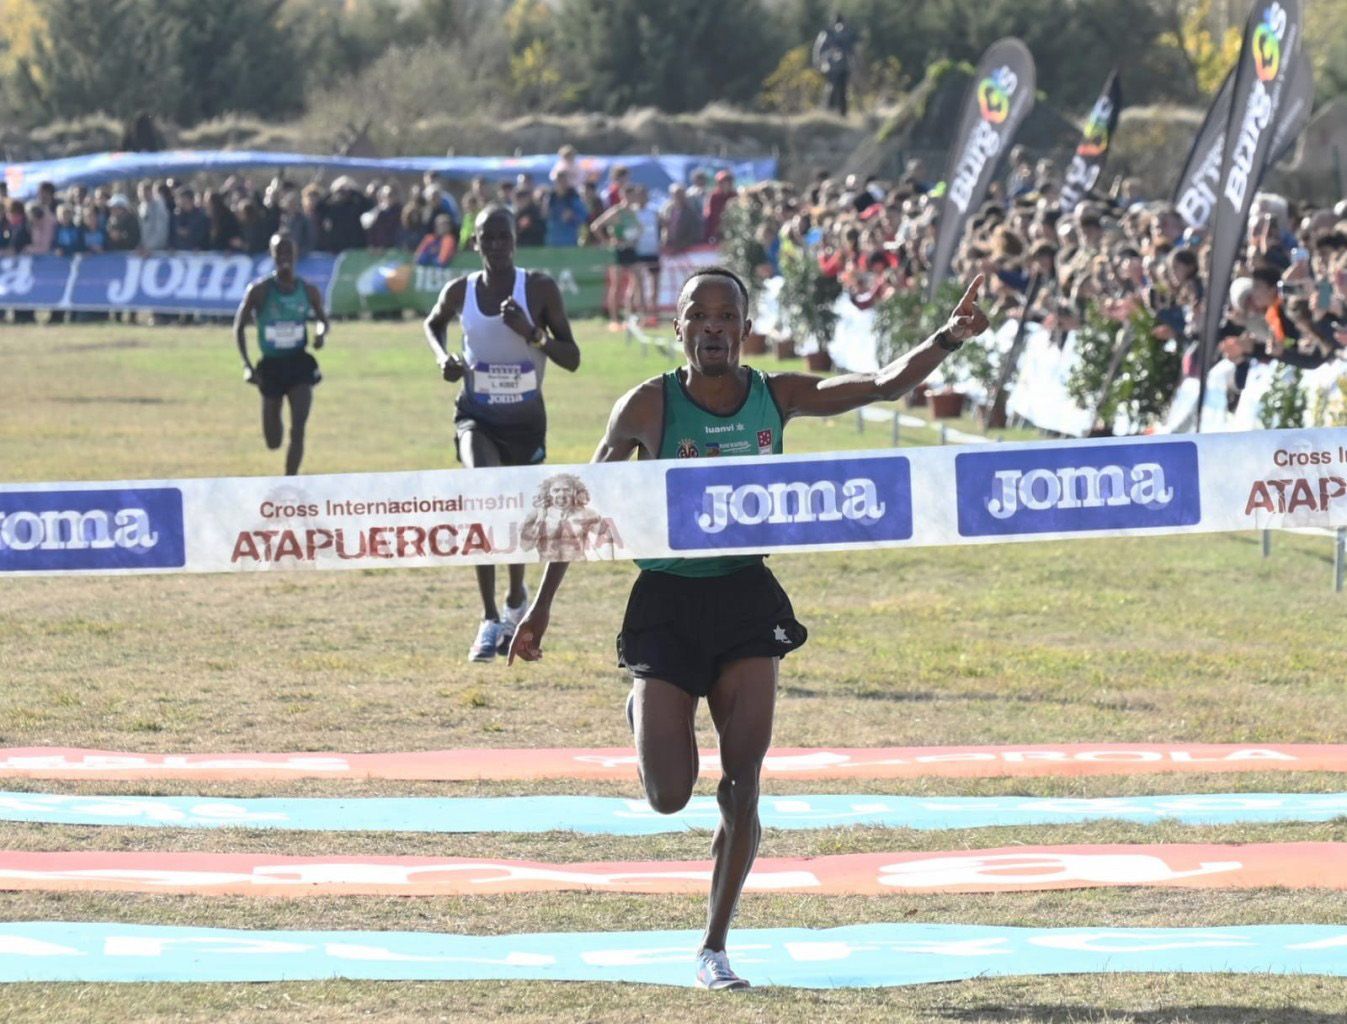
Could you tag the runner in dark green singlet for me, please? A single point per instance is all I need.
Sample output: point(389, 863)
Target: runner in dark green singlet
point(282, 305)
point(717, 627)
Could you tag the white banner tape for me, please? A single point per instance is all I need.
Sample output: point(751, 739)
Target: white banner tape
point(692, 508)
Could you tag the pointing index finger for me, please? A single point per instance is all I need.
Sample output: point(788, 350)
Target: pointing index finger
point(971, 295)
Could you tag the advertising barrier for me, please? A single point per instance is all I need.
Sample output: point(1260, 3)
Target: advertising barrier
point(833, 501)
point(354, 282)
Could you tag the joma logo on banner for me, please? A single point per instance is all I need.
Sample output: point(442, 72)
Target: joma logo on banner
point(1066, 490)
point(131, 529)
point(784, 503)
point(204, 277)
point(1267, 52)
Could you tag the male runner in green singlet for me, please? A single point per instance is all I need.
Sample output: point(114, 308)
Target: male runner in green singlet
point(282, 305)
point(716, 627)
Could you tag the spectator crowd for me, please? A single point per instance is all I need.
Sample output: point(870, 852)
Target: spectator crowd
point(1110, 258)
point(426, 218)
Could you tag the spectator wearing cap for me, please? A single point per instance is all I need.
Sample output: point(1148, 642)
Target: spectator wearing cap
point(716, 202)
point(123, 226)
point(154, 219)
point(565, 212)
point(341, 216)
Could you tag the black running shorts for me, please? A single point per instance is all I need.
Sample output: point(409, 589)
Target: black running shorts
point(685, 630)
point(524, 444)
point(277, 376)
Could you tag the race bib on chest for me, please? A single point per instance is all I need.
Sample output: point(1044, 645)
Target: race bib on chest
point(503, 383)
point(285, 334)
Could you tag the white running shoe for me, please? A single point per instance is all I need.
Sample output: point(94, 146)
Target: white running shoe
point(488, 638)
point(509, 622)
point(714, 971)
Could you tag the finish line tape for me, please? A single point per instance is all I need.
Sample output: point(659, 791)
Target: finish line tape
point(619, 763)
point(1007, 869)
point(616, 816)
point(860, 956)
point(682, 508)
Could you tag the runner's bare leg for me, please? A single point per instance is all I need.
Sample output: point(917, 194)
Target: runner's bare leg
point(666, 743)
point(301, 401)
point(742, 704)
point(477, 451)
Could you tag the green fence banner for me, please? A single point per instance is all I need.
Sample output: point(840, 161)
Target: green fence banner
point(378, 281)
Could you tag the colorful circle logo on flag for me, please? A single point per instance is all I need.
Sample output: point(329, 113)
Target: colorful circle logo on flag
point(993, 100)
point(1267, 52)
point(994, 94)
point(1094, 140)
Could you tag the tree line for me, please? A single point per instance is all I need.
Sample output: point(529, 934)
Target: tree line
point(185, 61)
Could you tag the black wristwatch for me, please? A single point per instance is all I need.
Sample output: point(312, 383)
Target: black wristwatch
point(946, 341)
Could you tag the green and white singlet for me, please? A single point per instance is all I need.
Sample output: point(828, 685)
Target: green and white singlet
point(692, 431)
point(282, 322)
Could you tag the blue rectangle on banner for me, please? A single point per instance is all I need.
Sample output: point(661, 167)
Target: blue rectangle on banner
point(135, 528)
point(773, 503)
point(1066, 490)
point(33, 282)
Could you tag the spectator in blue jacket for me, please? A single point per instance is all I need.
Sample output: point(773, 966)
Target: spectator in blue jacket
point(566, 212)
point(69, 237)
point(93, 236)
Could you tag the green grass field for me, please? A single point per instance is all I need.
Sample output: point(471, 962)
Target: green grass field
point(1182, 639)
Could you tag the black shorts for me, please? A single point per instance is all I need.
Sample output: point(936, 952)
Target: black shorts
point(277, 376)
point(626, 257)
point(650, 261)
point(685, 630)
point(524, 445)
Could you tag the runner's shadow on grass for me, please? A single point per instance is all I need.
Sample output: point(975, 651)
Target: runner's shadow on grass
point(1164, 1015)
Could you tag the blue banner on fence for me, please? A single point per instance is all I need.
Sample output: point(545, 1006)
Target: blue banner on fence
point(180, 282)
point(33, 282)
point(858, 956)
point(616, 816)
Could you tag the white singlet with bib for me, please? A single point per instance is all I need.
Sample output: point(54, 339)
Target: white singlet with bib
point(504, 376)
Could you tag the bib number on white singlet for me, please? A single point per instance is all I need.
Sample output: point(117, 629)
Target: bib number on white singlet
point(503, 383)
point(285, 334)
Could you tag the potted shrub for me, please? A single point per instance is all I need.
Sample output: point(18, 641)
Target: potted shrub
point(818, 361)
point(947, 403)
